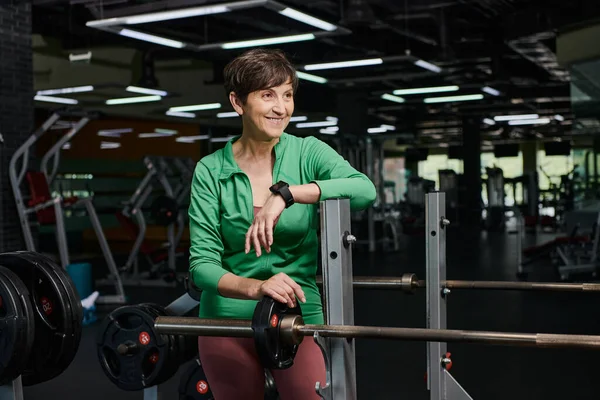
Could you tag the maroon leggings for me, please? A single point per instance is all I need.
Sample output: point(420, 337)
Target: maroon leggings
point(234, 371)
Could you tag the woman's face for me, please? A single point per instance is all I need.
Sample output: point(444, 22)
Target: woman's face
point(267, 112)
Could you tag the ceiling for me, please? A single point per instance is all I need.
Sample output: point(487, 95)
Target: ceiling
point(508, 45)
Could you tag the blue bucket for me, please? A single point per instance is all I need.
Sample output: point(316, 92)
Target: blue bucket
point(81, 274)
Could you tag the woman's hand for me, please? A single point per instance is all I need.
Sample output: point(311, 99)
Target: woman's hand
point(260, 232)
point(281, 288)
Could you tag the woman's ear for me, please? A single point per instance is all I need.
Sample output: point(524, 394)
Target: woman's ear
point(236, 103)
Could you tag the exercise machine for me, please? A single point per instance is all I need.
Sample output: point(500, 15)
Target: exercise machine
point(161, 260)
point(495, 211)
point(48, 207)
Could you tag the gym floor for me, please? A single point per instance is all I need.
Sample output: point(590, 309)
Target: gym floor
point(392, 370)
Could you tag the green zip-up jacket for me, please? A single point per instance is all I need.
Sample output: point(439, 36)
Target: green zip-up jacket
point(221, 211)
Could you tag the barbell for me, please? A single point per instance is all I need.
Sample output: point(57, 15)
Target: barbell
point(278, 331)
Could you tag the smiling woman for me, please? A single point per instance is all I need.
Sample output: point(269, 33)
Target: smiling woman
point(259, 193)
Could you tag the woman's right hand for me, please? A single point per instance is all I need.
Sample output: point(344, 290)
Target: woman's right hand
point(281, 288)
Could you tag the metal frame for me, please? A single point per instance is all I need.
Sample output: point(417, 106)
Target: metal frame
point(12, 391)
point(441, 384)
point(573, 265)
point(338, 292)
point(17, 174)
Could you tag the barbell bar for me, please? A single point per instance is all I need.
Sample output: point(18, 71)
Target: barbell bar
point(292, 330)
point(410, 282)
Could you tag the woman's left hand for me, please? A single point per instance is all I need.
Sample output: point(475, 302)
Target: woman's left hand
point(260, 233)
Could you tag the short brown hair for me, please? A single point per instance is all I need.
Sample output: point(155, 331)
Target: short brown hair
point(258, 69)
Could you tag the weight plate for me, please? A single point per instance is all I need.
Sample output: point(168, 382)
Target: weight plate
point(58, 314)
point(17, 326)
point(193, 384)
point(270, 387)
point(266, 322)
point(74, 309)
point(131, 328)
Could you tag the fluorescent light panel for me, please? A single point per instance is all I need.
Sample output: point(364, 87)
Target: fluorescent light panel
point(307, 19)
point(109, 145)
point(447, 99)
point(137, 89)
point(231, 114)
point(500, 118)
point(130, 100)
point(76, 89)
point(151, 38)
point(160, 16)
point(196, 107)
point(489, 121)
point(221, 139)
point(436, 89)
point(180, 114)
point(428, 66)
point(332, 130)
point(299, 118)
point(316, 124)
point(344, 64)
point(310, 77)
point(114, 132)
point(538, 121)
point(268, 41)
point(52, 99)
point(154, 135)
point(491, 91)
point(391, 97)
point(191, 139)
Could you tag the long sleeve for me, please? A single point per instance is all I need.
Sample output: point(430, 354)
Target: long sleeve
point(206, 245)
point(336, 177)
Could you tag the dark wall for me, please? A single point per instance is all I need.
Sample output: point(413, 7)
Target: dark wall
point(16, 106)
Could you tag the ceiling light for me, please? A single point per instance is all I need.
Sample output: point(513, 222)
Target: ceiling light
point(316, 124)
point(221, 139)
point(310, 77)
point(166, 131)
point(332, 130)
point(436, 89)
point(428, 66)
point(228, 114)
point(79, 57)
point(196, 107)
point(559, 117)
point(66, 146)
point(129, 100)
point(268, 41)
point(331, 119)
point(154, 135)
point(393, 98)
point(191, 139)
point(298, 118)
point(376, 130)
point(515, 117)
point(114, 132)
point(51, 99)
point(137, 89)
point(489, 121)
point(109, 145)
point(77, 89)
point(151, 38)
point(467, 97)
point(539, 121)
point(159, 16)
point(180, 114)
point(307, 19)
point(491, 91)
point(344, 64)
point(388, 127)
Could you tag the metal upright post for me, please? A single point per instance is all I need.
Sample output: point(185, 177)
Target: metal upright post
point(441, 384)
point(12, 391)
point(336, 248)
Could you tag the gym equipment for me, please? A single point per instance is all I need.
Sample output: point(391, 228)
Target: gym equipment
point(165, 211)
point(195, 386)
point(40, 320)
point(409, 283)
point(47, 207)
point(495, 218)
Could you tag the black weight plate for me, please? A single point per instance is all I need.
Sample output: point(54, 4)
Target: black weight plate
point(142, 367)
point(265, 322)
point(17, 326)
point(270, 387)
point(74, 309)
point(172, 362)
point(193, 384)
point(54, 330)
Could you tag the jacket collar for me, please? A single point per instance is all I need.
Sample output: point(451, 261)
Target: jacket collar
point(230, 167)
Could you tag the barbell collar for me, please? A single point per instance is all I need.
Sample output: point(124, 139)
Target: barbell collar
point(293, 329)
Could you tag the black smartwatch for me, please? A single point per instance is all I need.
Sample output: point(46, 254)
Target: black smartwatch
point(283, 189)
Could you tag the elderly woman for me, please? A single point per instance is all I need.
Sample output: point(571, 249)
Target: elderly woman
point(253, 226)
